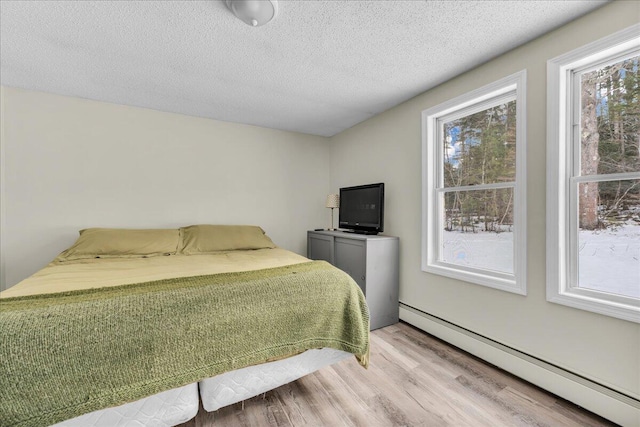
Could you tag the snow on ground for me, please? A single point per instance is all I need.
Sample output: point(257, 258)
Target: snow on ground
point(483, 249)
point(609, 260)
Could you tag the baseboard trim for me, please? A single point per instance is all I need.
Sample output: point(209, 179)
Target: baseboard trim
point(594, 397)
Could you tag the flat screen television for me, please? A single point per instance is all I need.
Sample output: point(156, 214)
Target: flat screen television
point(362, 209)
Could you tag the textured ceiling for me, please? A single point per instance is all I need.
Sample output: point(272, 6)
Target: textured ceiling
point(320, 67)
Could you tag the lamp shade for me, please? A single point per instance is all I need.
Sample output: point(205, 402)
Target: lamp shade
point(333, 201)
point(253, 12)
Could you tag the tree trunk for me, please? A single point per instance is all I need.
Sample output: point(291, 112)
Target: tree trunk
point(589, 158)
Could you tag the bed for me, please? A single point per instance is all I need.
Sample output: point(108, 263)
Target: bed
point(138, 326)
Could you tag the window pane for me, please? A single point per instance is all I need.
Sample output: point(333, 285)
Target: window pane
point(609, 246)
point(610, 119)
point(481, 148)
point(478, 229)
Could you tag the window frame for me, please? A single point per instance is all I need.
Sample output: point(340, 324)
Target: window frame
point(512, 87)
point(563, 176)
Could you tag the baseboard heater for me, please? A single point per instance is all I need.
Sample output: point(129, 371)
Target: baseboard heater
point(597, 398)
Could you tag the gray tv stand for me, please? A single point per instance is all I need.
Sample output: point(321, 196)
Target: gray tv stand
point(371, 260)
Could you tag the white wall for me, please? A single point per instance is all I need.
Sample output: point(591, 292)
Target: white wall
point(387, 148)
point(70, 163)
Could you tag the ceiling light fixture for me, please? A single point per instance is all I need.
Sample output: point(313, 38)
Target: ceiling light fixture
point(254, 12)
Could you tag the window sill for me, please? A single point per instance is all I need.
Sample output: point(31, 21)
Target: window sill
point(588, 301)
point(500, 281)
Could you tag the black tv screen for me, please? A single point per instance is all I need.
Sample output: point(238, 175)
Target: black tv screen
point(362, 208)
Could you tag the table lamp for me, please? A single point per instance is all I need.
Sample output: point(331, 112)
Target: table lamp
point(333, 201)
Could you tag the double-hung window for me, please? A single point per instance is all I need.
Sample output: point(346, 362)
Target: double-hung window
point(593, 177)
point(473, 186)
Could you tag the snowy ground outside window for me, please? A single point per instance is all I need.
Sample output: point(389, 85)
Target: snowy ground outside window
point(609, 260)
point(481, 249)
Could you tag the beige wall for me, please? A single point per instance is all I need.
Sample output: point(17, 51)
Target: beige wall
point(70, 163)
point(387, 148)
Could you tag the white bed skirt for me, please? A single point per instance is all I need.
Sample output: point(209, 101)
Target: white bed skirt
point(173, 407)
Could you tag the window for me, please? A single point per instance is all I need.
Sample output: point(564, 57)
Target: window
point(593, 177)
point(473, 186)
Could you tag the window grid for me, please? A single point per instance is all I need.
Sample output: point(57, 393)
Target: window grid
point(565, 176)
point(576, 177)
point(501, 92)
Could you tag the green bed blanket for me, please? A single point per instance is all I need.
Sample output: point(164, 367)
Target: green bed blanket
point(66, 354)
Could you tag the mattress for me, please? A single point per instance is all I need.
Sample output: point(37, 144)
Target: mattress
point(241, 384)
point(166, 409)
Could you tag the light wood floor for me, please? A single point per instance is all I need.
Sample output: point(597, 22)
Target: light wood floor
point(414, 380)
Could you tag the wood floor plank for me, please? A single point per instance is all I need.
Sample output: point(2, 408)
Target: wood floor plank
point(307, 404)
point(429, 390)
point(533, 412)
point(375, 392)
point(414, 379)
point(358, 411)
point(381, 340)
point(444, 377)
point(394, 380)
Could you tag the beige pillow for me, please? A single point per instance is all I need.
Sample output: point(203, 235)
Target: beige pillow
point(197, 239)
point(125, 243)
